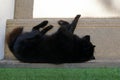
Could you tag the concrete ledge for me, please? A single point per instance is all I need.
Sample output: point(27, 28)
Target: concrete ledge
point(104, 32)
point(90, 64)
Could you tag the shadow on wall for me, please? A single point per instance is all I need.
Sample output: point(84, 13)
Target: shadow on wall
point(112, 5)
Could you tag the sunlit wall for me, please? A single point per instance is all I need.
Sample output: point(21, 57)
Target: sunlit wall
point(69, 8)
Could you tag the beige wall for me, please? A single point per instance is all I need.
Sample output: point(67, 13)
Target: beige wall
point(6, 12)
point(23, 9)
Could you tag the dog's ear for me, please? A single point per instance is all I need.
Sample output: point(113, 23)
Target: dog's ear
point(87, 38)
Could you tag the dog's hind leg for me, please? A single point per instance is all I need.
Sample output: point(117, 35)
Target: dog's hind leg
point(41, 25)
point(36, 34)
point(42, 32)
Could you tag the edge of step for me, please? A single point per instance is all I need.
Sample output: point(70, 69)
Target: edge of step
point(90, 64)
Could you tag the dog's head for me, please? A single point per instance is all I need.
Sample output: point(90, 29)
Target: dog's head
point(87, 48)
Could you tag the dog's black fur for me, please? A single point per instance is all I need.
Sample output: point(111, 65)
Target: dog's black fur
point(61, 47)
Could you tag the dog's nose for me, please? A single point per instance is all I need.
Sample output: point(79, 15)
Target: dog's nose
point(92, 58)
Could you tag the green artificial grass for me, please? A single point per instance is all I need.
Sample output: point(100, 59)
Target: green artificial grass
point(60, 74)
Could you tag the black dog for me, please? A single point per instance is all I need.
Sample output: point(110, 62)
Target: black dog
point(61, 47)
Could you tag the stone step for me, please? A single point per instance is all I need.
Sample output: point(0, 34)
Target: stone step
point(90, 64)
point(104, 32)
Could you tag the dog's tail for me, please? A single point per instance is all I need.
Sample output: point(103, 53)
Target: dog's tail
point(11, 38)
